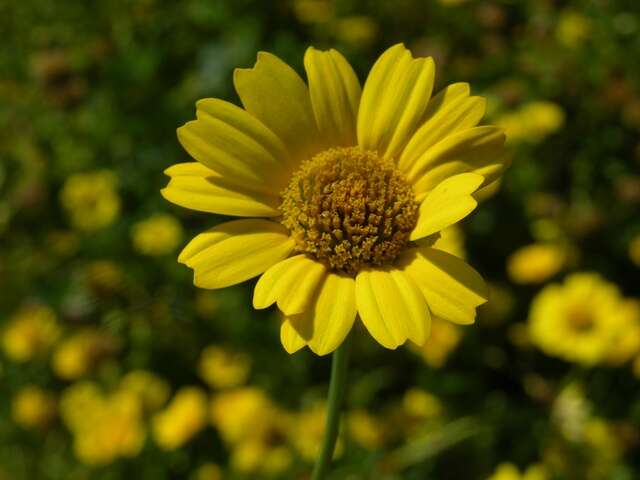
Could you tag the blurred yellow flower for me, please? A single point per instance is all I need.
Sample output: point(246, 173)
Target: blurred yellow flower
point(532, 122)
point(104, 427)
point(634, 250)
point(444, 338)
point(258, 456)
point(152, 391)
point(313, 11)
point(63, 243)
point(357, 30)
point(104, 275)
point(572, 29)
point(508, 471)
point(536, 263)
point(600, 435)
point(184, 417)
point(31, 331)
point(570, 412)
point(365, 429)
point(91, 199)
point(158, 235)
point(241, 413)
point(308, 432)
point(33, 407)
point(255, 430)
point(585, 320)
point(306, 164)
point(421, 405)
point(222, 368)
point(208, 471)
point(79, 354)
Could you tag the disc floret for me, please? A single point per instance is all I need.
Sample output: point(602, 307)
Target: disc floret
point(349, 209)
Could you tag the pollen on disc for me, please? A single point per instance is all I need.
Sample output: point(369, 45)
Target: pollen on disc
point(349, 209)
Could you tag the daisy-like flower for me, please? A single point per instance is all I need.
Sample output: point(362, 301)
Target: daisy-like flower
point(345, 190)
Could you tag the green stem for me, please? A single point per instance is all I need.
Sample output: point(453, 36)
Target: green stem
point(334, 404)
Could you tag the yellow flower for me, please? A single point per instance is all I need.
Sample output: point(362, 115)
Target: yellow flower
point(91, 199)
point(419, 404)
point(104, 276)
point(585, 320)
point(254, 429)
point(241, 413)
point(536, 263)
point(532, 122)
point(444, 338)
point(508, 471)
point(104, 427)
point(208, 471)
point(31, 331)
point(308, 432)
point(570, 412)
point(357, 30)
point(33, 407)
point(152, 391)
point(185, 416)
point(80, 353)
point(365, 429)
point(157, 235)
point(572, 29)
point(312, 11)
point(222, 368)
point(339, 184)
point(634, 250)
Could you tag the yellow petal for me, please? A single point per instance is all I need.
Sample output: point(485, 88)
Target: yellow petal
point(394, 99)
point(392, 307)
point(275, 94)
point(234, 144)
point(326, 325)
point(195, 186)
point(292, 283)
point(451, 111)
point(235, 251)
point(451, 287)
point(335, 95)
point(478, 150)
point(447, 204)
point(290, 338)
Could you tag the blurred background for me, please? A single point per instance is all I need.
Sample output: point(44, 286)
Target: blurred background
point(113, 366)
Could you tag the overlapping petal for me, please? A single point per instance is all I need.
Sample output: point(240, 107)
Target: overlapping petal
point(392, 307)
point(197, 187)
point(290, 338)
point(292, 283)
point(276, 95)
point(448, 203)
point(335, 95)
point(238, 147)
point(450, 111)
point(478, 150)
point(451, 287)
point(326, 324)
point(394, 99)
point(236, 251)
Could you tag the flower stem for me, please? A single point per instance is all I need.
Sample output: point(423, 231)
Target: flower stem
point(337, 388)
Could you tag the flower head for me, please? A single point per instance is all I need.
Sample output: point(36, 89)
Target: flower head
point(346, 190)
point(91, 199)
point(586, 320)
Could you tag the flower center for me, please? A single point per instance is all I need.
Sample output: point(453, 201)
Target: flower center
point(349, 209)
point(580, 320)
